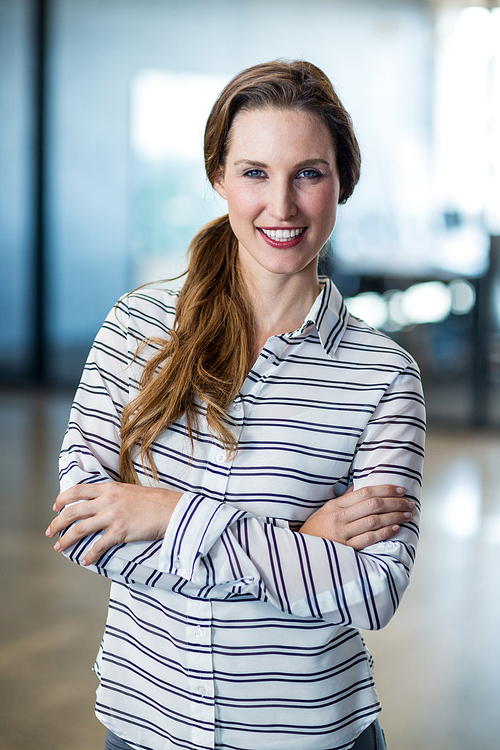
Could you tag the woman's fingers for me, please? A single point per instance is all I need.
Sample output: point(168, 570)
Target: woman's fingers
point(69, 515)
point(361, 517)
point(81, 492)
point(99, 548)
point(81, 519)
point(83, 529)
point(375, 507)
point(373, 523)
point(369, 502)
point(373, 537)
point(366, 494)
point(376, 516)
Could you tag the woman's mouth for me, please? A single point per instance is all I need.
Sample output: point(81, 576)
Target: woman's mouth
point(283, 237)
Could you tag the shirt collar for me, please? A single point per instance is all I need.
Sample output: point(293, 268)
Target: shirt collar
point(329, 315)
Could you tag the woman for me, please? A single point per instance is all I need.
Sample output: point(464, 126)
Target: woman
point(250, 457)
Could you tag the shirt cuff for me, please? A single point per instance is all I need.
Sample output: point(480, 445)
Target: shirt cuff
point(195, 525)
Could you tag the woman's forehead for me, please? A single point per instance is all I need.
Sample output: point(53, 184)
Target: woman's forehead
point(265, 132)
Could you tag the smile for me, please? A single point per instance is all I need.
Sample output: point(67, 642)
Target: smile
point(282, 235)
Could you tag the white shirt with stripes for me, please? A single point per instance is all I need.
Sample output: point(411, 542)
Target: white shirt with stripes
point(236, 631)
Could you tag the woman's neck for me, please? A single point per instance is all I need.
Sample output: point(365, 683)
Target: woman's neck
point(284, 310)
point(279, 304)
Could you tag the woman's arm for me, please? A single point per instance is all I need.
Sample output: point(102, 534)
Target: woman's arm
point(221, 552)
point(115, 514)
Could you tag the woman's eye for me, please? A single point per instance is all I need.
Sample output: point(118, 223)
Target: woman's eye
point(254, 173)
point(309, 174)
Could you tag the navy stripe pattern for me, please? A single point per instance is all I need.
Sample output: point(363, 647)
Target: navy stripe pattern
point(235, 631)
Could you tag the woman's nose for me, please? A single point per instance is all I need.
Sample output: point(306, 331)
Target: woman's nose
point(281, 202)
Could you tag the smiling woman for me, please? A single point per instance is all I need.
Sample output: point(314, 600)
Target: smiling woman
point(244, 458)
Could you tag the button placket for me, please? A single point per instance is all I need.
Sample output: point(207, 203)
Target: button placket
point(219, 476)
point(236, 412)
point(200, 671)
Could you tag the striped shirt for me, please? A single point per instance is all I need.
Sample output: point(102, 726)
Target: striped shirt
point(235, 631)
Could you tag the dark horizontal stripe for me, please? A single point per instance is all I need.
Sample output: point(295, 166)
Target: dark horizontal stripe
point(286, 729)
point(297, 678)
point(296, 703)
point(334, 430)
point(133, 720)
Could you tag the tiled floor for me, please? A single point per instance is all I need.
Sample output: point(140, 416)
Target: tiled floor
point(437, 662)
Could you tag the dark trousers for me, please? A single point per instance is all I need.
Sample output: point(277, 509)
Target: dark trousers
point(371, 739)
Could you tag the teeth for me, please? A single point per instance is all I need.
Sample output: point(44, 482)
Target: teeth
point(282, 235)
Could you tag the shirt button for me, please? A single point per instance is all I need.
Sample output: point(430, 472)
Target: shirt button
point(238, 406)
point(220, 458)
point(177, 562)
point(201, 690)
point(198, 632)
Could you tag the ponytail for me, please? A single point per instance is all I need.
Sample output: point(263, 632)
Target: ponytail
point(206, 358)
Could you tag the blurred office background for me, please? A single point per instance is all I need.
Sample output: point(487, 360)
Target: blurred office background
point(102, 106)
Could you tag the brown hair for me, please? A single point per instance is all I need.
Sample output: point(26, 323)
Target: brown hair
point(206, 358)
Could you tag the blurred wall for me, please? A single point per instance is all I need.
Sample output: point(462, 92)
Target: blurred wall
point(378, 53)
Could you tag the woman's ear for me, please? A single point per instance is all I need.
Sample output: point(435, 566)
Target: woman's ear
point(218, 183)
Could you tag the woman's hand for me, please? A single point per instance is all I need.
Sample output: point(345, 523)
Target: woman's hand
point(361, 517)
point(125, 512)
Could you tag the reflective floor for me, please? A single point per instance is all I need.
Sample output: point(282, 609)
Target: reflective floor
point(437, 662)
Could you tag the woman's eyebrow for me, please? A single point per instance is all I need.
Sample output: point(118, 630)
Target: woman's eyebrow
point(302, 164)
point(249, 162)
point(312, 163)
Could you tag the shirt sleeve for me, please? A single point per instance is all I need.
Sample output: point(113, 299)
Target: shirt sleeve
point(90, 452)
point(211, 549)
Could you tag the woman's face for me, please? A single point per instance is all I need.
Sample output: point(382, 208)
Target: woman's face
point(282, 188)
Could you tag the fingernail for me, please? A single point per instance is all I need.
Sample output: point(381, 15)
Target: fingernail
point(57, 547)
point(48, 532)
point(400, 490)
point(54, 507)
point(395, 528)
point(407, 515)
point(84, 563)
point(410, 504)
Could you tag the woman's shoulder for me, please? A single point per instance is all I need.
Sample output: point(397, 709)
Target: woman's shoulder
point(149, 310)
point(158, 295)
point(376, 345)
point(163, 292)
